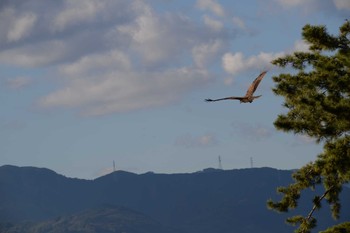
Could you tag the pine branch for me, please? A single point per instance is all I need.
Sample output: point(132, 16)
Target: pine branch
point(309, 216)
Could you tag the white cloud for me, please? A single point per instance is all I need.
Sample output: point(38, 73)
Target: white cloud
point(237, 21)
point(77, 11)
point(304, 139)
point(213, 23)
point(16, 25)
point(293, 3)
point(33, 55)
point(236, 63)
point(124, 91)
point(21, 27)
point(147, 35)
point(233, 63)
point(312, 6)
point(256, 132)
point(189, 141)
point(18, 82)
point(228, 81)
point(96, 63)
point(158, 38)
point(212, 6)
point(342, 4)
point(301, 45)
point(144, 27)
point(207, 52)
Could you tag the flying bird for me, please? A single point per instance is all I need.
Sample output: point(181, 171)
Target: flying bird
point(249, 95)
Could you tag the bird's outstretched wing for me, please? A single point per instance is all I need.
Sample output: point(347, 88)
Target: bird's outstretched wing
point(255, 84)
point(226, 98)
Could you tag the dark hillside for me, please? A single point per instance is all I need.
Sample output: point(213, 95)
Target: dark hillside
point(30, 193)
point(104, 219)
point(204, 202)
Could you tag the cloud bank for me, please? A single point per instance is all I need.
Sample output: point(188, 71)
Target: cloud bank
point(119, 56)
point(111, 56)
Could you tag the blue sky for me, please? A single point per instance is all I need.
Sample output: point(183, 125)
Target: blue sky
point(84, 83)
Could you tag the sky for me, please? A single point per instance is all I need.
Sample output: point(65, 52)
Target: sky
point(84, 83)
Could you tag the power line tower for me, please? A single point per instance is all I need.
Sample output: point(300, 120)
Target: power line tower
point(220, 165)
point(113, 166)
point(251, 162)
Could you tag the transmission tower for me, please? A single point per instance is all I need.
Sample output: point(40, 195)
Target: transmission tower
point(251, 162)
point(220, 165)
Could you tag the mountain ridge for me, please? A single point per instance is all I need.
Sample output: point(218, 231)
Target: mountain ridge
point(208, 201)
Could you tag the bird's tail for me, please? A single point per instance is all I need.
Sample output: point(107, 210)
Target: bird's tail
point(255, 97)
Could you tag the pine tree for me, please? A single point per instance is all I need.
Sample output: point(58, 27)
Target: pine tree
point(317, 97)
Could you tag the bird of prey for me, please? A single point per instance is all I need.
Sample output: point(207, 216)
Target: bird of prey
point(249, 95)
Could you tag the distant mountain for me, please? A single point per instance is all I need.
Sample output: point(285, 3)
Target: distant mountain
point(104, 219)
point(29, 193)
point(210, 201)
